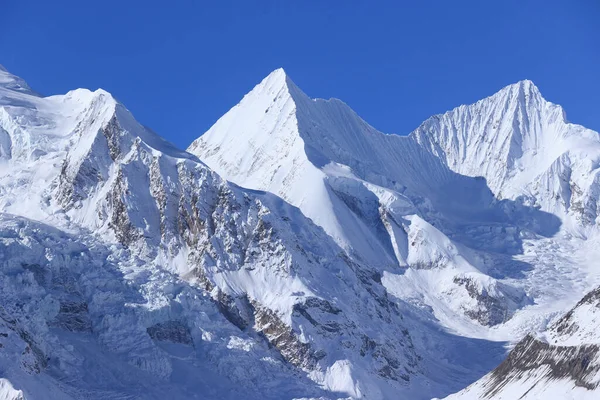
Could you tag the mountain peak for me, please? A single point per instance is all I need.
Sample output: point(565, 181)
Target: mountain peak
point(278, 78)
point(509, 137)
point(278, 74)
point(277, 82)
point(391, 242)
point(264, 110)
point(524, 86)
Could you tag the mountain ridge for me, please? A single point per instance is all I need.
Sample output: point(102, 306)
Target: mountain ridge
point(340, 263)
point(85, 184)
point(508, 163)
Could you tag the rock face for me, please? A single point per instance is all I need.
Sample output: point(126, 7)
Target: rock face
point(490, 309)
point(171, 331)
point(347, 264)
point(574, 363)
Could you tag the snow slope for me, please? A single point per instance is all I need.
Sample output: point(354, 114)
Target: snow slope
point(418, 201)
point(346, 264)
point(132, 270)
point(561, 363)
point(483, 218)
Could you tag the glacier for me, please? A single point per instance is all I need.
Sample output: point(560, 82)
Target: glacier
point(293, 251)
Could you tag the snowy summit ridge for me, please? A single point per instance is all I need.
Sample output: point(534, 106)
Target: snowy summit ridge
point(418, 201)
point(342, 262)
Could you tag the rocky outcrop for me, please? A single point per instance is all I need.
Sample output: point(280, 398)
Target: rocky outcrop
point(32, 358)
point(119, 220)
point(284, 339)
point(171, 331)
point(565, 358)
point(579, 364)
point(491, 309)
point(568, 324)
point(73, 316)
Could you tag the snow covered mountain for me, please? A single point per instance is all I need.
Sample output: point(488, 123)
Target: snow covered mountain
point(130, 267)
point(339, 263)
point(472, 216)
point(524, 147)
point(127, 259)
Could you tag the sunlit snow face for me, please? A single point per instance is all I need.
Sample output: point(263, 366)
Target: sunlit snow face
point(346, 263)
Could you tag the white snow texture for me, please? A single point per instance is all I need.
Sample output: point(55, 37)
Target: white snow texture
point(295, 252)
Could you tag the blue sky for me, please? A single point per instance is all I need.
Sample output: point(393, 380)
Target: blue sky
point(179, 65)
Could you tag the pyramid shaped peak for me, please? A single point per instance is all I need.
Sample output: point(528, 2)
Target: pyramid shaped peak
point(277, 77)
point(278, 81)
point(514, 93)
point(278, 73)
point(523, 93)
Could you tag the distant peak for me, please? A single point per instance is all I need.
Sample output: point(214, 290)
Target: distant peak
point(515, 93)
point(524, 83)
point(524, 86)
point(527, 83)
point(2, 68)
point(523, 96)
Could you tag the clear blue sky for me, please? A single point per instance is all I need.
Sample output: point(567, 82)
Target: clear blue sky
point(179, 65)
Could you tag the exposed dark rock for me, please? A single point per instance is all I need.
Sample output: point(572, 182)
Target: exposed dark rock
point(111, 132)
point(64, 281)
point(491, 310)
point(560, 362)
point(73, 316)
point(322, 308)
point(158, 192)
point(119, 219)
point(171, 331)
point(39, 274)
point(76, 181)
point(284, 339)
point(323, 305)
point(565, 325)
point(33, 359)
point(435, 264)
point(368, 345)
point(80, 176)
point(237, 310)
